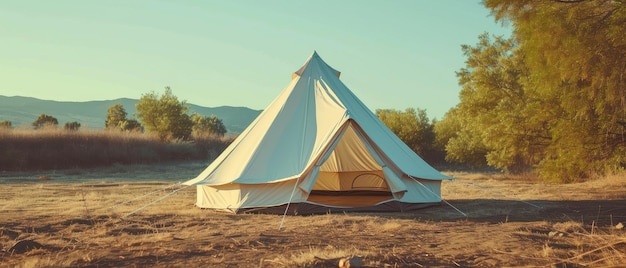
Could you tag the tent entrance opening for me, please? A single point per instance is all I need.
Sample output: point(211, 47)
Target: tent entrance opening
point(350, 176)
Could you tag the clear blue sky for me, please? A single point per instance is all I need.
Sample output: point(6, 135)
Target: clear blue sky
point(392, 54)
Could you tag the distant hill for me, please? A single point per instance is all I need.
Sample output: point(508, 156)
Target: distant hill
point(22, 111)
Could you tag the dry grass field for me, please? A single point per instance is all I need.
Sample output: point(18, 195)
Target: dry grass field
point(140, 217)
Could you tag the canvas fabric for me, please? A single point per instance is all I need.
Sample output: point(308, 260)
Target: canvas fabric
point(315, 136)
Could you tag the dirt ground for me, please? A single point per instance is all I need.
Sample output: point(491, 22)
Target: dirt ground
point(489, 220)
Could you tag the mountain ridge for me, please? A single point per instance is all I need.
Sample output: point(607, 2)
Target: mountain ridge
point(22, 111)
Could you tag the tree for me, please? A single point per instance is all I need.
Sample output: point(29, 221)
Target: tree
point(5, 124)
point(498, 115)
point(71, 126)
point(414, 128)
point(207, 125)
point(45, 120)
point(116, 119)
point(462, 143)
point(576, 54)
point(116, 114)
point(164, 115)
point(499, 120)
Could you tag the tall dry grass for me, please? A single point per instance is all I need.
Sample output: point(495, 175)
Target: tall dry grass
point(26, 149)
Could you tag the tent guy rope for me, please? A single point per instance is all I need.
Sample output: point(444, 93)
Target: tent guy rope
point(282, 220)
point(500, 193)
point(439, 196)
point(143, 196)
point(155, 201)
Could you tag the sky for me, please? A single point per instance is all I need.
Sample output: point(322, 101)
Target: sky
point(392, 54)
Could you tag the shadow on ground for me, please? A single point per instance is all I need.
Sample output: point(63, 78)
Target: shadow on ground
point(598, 212)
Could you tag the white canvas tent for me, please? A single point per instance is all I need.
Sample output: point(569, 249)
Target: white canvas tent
point(318, 148)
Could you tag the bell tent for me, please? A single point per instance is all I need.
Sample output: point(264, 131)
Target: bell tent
point(317, 148)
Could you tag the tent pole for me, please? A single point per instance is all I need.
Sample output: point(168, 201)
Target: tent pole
point(447, 203)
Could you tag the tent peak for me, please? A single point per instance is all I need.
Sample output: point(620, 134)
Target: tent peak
point(314, 55)
point(314, 59)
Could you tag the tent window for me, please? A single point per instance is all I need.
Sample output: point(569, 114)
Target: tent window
point(369, 181)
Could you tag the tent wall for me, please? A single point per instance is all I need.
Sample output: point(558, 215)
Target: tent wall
point(424, 191)
point(232, 197)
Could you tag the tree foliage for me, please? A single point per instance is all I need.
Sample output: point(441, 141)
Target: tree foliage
point(207, 125)
point(71, 126)
point(116, 119)
point(553, 97)
point(578, 60)
point(130, 125)
point(116, 114)
point(164, 115)
point(414, 128)
point(45, 120)
point(462, 143)
point(5, 124)
point(493, 120)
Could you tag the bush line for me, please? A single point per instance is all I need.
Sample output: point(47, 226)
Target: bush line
point(24, 149)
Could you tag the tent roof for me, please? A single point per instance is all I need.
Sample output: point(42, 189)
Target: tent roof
point(291, 134)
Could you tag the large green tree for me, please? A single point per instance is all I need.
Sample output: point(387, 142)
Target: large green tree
point(164, 115)
point(576, 54)
point(552, 97)
point(496, 116)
